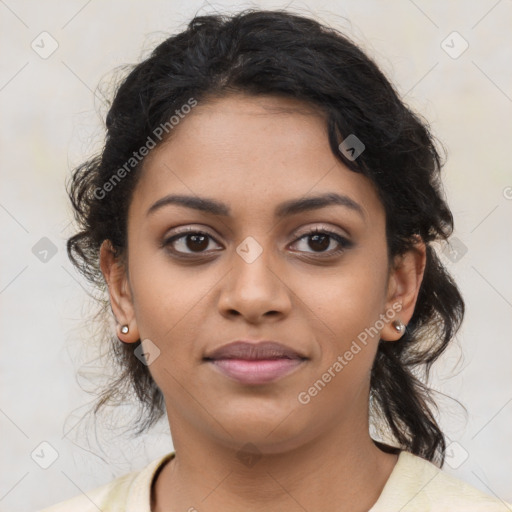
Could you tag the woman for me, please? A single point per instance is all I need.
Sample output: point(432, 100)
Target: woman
point(263, 213)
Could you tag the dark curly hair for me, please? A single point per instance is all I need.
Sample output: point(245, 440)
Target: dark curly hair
point(262, 52)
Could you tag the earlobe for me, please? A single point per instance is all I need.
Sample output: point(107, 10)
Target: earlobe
point(403, 289)
point(121, 302)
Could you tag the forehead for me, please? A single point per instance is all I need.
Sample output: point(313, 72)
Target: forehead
point(251, 152)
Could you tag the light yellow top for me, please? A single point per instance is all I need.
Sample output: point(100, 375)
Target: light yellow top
point(415, 485)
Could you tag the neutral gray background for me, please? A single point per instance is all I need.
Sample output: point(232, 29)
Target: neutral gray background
point(49, 124)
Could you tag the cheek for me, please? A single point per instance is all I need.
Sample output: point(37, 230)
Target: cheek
point(166, 300)
point(346, 306)
point(350, 298)
point(345, 311)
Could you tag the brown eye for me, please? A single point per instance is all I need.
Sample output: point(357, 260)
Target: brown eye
point(191, 242)
point(319, 241)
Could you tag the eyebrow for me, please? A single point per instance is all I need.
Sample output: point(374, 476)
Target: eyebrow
point(285, 209)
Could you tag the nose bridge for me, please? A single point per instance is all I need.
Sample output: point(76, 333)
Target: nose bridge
point(254, 287)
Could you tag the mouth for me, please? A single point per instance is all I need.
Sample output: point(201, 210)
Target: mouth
point(255, 363)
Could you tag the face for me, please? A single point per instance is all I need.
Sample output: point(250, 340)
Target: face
point(313, 278)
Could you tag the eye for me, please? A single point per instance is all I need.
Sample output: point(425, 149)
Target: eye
point(190, 241)
point(321, 239)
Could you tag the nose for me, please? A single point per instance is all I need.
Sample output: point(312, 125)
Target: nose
point(254, 290)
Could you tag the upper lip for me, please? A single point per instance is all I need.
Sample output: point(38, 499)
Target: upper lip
point(252, 350)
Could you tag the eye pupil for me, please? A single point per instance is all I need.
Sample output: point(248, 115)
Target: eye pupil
point(195, 238)
point(324, 238)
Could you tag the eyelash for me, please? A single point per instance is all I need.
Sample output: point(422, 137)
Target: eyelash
point(342, 241)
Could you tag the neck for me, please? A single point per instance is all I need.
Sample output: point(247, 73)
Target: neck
point(340, 470)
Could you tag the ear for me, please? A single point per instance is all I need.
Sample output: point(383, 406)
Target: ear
point(115, 275)
point(404, 284)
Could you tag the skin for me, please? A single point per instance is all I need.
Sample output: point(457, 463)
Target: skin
point(253, 153)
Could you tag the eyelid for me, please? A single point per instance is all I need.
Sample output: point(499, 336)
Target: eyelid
point(320, 227)
point(184, 230)
point(188, 228)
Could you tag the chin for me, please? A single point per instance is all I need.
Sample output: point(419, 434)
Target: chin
point(272, 429)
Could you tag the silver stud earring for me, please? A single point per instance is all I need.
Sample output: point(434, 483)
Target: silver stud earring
point(124, 329)
point(399, 326)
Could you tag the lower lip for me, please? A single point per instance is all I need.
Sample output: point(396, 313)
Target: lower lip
point(256, 371)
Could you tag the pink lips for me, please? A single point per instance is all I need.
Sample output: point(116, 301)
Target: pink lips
point(255, 363)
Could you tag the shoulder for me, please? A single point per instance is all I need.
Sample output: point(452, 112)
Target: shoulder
point(125, 492)
point(112, 495)
point(417, 485)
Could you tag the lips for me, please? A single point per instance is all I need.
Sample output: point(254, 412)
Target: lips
point(255, 363)
point(253, 351)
